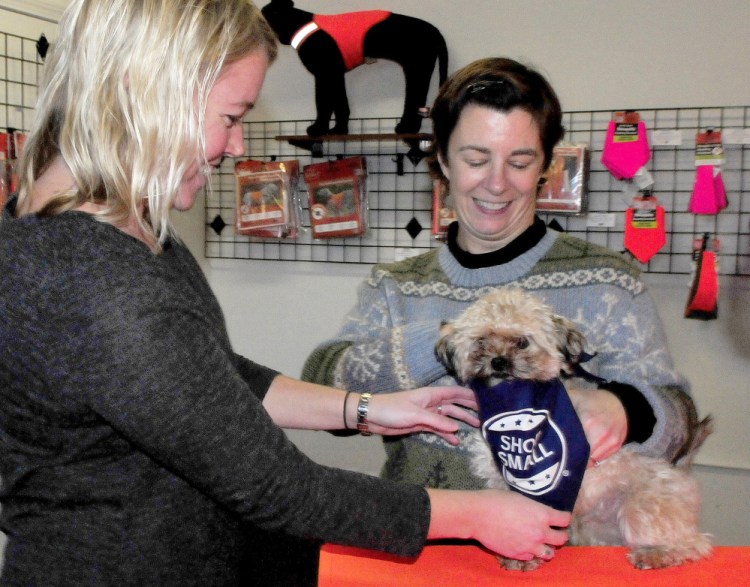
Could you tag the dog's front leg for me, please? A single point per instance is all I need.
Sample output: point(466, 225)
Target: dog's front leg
point(321, 56)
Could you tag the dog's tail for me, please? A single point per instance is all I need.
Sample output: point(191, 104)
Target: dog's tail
point(698, 434)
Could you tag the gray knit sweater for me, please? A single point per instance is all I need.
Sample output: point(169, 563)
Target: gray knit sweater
point(134, 449)
point(388, 339)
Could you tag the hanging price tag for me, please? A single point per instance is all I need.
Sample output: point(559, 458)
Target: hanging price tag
point(708, 148)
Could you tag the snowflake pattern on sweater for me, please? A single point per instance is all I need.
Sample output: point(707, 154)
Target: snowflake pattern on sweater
point(387, 341)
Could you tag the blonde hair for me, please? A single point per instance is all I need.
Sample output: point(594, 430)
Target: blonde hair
point(123, 101)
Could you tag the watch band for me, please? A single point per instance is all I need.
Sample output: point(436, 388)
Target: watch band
point(362, 408)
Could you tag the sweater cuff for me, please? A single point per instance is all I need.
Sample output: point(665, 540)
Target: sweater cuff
point(639, 413)
point(258, 377)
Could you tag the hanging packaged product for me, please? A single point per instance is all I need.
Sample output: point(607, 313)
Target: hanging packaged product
point(268, 202)
point(703, 299)
point(565, 183)
point(626, 148)
point(15, 141)
point(3, 181)
point(645, 232)
point(442, 214)
point(338, 197)
point(4, 169)
point(709, 195)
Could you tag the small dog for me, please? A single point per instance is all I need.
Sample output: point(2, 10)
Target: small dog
point(647, 504)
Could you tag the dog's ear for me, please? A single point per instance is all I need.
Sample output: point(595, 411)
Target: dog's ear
point(570, 340)
point(444, 348)
point(277, 6)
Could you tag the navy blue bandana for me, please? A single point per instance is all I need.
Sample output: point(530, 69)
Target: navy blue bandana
point(536, 439)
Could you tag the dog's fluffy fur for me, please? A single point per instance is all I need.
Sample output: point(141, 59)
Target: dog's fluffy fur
point(648, 504)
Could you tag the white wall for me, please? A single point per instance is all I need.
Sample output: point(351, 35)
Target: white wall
point(30, 18)
point(599, 54)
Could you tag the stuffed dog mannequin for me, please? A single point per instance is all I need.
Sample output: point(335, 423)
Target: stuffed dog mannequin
point(331, 45)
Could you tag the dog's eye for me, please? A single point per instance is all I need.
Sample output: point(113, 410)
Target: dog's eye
point(522, 343)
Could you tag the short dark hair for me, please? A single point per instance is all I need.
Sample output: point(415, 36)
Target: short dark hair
point(502, 84)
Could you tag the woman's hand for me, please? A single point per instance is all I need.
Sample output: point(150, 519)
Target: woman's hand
point(604, 421)
point(506, 522)
point(292, 403)
point(427, 409)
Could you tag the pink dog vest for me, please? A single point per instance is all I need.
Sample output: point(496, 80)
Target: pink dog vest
point(625, 151)
point(709, 195)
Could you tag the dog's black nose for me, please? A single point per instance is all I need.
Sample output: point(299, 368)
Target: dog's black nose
point(499, 364)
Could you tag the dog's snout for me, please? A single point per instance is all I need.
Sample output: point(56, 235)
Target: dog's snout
point(500, 364)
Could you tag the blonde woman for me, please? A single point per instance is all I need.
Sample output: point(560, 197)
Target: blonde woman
point(136, 448)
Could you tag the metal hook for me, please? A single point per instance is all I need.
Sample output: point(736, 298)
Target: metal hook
point(41, 46)
point(399, 164)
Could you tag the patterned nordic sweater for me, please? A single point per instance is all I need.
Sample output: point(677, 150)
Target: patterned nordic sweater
point(387, 341)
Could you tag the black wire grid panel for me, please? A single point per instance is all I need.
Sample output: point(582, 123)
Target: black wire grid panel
point(20, 73)
point(400, 189)
point(400, 192)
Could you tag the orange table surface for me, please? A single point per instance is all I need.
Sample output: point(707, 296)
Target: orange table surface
point(594, 566)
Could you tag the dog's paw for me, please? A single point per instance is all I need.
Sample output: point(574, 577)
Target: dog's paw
point(654, 557)
point(317, 129)
point(409, 126)
point(341, 128)
point(512, 564)
point(661, 557)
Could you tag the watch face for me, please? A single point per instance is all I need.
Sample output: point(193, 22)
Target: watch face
point(362, 409)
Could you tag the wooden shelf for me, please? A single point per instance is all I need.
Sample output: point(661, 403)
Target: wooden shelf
point(352, 137)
